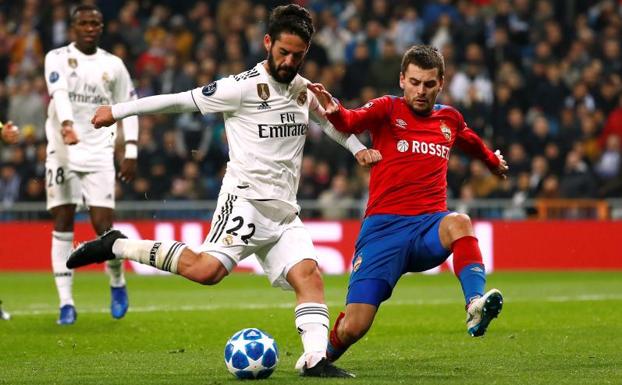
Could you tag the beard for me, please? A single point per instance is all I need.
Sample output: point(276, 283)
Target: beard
point(286, 74)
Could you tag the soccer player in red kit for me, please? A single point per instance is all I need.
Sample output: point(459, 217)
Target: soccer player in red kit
point(407, 227)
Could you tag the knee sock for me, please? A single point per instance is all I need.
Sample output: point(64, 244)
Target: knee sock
point(312, 323)
point(62, 243)
point(115, 271)
point(468, 267)
point(335, 347)
point(162, 255)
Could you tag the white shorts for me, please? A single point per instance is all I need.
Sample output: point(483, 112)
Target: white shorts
point(64, 186)
point(274, 233)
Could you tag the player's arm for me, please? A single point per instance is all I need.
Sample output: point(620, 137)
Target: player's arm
point(468, 141)
point(123, 92)
point(9, 132)
point(223, 95)
point(363, 155)
point(58, 90)
point(371, 115)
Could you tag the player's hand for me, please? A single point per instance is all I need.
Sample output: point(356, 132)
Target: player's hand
point(368, 157)
point(103, 117)
point(502, 169)
point(69, 135)
point(128, 170)
point(10, 133)
point(324, 97)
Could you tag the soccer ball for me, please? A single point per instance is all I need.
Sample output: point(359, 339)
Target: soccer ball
point(251, 353)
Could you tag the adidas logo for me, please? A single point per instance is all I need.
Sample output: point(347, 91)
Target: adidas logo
point(264, 106)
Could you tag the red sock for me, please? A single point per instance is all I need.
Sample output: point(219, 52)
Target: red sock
point(466, 251)
point(335, 347)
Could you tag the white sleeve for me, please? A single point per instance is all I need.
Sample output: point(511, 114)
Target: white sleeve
point(124, 91)
point(57, 85)
point(318, 115)
point(159, 104)
point(223, 95)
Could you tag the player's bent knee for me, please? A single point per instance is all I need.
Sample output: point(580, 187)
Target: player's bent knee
point(458, 224)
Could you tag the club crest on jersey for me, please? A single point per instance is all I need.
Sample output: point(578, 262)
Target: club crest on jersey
point(263, 91)
point(302, 98)
point(446, 131)
point(105, 77)
point(402, 146)
point(72, 62)
point(357, 262)
point(209, 89)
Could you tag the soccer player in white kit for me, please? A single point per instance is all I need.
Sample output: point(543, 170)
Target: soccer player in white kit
point(79, 164)
point(10, 135)
point(266, 111)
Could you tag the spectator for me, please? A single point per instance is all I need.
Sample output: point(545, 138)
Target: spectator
point(576, 182)
point(337, 201)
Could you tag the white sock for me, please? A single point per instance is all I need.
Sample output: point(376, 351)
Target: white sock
point(312, 323)
point(114, 268)
point(62, 244)
point(162, 255)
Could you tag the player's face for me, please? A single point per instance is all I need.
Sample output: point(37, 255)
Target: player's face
point(285, 56)
point(88, 27)
point(421, 87)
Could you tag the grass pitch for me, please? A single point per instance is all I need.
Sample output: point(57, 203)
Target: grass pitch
point(555, 328)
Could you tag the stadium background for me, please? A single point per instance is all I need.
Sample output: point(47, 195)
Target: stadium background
point(541, 80)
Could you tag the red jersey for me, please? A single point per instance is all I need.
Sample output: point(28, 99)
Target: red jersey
point(411, 178)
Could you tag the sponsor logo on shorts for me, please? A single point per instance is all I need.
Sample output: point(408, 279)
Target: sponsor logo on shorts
point(357, 262)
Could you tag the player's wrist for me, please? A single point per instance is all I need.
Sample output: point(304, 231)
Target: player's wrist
point(131, 150)
point(354, 145)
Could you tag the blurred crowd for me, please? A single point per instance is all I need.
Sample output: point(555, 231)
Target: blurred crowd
point(541, 80)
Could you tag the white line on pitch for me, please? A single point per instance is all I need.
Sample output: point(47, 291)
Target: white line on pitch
point(45, 310)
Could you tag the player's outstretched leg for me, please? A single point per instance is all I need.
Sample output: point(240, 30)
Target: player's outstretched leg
point(482, 310)
point(95, 251)
point(457, 231)
point(171, 256)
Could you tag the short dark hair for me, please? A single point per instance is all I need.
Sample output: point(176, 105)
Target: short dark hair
point(426, 57)
point(84, 7)
point(293, 19)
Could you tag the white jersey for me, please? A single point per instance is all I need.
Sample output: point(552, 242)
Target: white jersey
point(266, 123)
point(90, 81)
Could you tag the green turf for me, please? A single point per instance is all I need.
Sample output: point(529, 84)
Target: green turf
point(555, 328)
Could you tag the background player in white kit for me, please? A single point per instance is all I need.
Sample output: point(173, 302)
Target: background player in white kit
point(79, 164)
point(9, 134)
point(266, 111)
